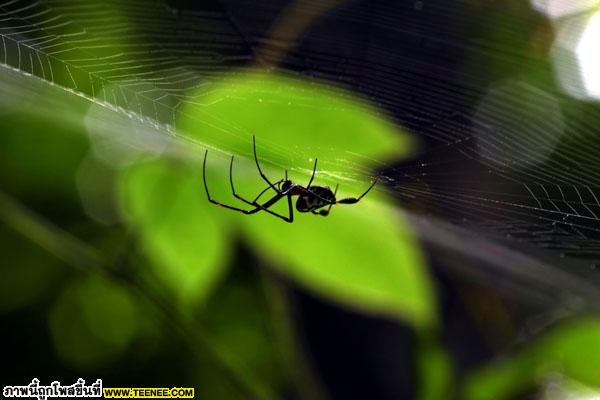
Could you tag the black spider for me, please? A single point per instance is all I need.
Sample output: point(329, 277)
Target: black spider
point(310, 198)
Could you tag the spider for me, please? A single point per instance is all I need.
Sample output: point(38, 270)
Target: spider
point(312, 199)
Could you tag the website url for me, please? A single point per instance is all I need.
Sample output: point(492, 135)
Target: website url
point(145, 393)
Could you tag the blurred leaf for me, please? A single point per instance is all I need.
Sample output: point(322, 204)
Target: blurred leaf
point(435, 370)
point(186, 243)
point(572, 349)
point(93, 322)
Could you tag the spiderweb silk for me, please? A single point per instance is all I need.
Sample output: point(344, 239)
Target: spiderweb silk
point(510, 170)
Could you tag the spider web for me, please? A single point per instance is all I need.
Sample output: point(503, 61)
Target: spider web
point(530, 185)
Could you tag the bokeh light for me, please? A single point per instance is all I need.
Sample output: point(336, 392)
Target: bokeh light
point(93, 322)
point(559, 387)
point(589, 57)
point(517, 124)
point(576, 57)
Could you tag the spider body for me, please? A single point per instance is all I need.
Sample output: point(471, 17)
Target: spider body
point(310, 198)
point(314, 198)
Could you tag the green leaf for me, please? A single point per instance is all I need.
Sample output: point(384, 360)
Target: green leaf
point(297, 119)
point(363, 255)
point(572, 350)
point(185, 241)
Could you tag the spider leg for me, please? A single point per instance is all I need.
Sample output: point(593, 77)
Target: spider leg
point(233, 188)
point(258, 166)
point(291, 210)
point(275, 199)
point(312, 177)
point(313, 174)
point(210, 199)
point(254, 203)
point(265, 191)
point(326, 212)
point(353, 200)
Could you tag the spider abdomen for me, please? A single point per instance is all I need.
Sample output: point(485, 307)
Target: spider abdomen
point(318, 197)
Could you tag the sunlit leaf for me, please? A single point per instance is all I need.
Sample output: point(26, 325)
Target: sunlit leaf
point(298, 120)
